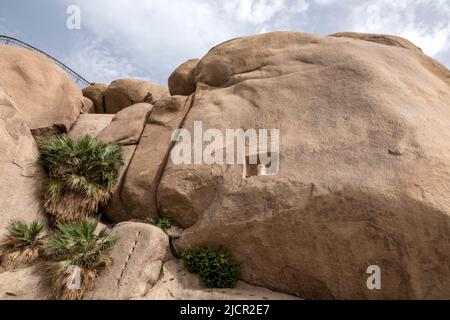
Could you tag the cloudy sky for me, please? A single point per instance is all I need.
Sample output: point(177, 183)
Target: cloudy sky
point(149, 38)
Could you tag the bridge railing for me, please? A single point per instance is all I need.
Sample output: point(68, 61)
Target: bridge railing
point(82, 82)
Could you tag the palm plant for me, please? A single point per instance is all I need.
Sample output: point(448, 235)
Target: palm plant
point(22, 243)
point(163, 223)
point(82, 175)
point(76, 250)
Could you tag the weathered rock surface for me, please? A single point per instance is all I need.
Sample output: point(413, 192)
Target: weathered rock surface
point(123, 93)
point(21, 175)
point(95, 92)
point(115, 210)
point(138, 257)
point(176, 283)
point(127, 125)
point(21, 284)
point(88, 106)
point(143, 175)
point(364, 169)
point(41, 90)
point(90, 124)
point(181, 81)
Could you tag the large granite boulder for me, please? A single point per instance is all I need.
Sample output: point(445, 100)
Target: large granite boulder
point(363, 175)
point(42, 92)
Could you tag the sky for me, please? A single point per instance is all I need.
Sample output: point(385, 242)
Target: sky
point(148, 39)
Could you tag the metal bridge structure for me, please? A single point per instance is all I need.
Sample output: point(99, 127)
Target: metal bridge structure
point(82, 82)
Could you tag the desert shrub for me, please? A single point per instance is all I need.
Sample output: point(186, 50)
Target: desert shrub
point(82, 175)
point(76, 245)
point(22, 243)
point(215, 267)
point(163, 223)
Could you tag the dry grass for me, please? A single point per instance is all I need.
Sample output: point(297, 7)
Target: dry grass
point(21, 245)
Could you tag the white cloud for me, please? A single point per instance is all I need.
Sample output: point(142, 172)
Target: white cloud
point(406, 19)
point(156, 36)
point(95, 63)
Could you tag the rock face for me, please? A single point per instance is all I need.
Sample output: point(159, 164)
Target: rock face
point(41, 90)
point(90, 124)
point(125, 92)
point(88, 106)
point(138, 258)
point(22, 284)
point(126, 129)
point(364, 166)
point(116, 210)
point(143, 175)
point(363, 177)
point(95, 93)
point(21, 176)
point(127, 125)
point(176, 283)
point(181, 81)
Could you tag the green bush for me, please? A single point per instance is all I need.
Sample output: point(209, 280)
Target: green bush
point(21, 244)
point(82, 175)
point(77, 244)
point(163, 223)
point(215, 267)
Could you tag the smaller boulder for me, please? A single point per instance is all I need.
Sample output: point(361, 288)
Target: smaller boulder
point(126, 127)
point(95, 92)
point(126, 92)
point(88, 106)
point(138, 257)
point(90, 124)
point(181, 81)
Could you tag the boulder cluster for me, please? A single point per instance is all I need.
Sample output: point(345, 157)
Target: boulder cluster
point(363, 180)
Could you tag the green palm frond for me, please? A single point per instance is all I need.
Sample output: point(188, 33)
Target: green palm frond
point(21, 244)
point(77, 244)
point(82, 175)
point(27, 234)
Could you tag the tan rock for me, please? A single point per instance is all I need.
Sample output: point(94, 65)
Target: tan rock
point(181, 81)
point(21, 284)
point(42, 92)
point(138, 258)
point(90, 124)
point(21, 175)
point(115, 210)
point(364, 167)
point(127, 92)
point(127, 125)
point(95, 92)
point(144, 173)
point(176, 283)
point(88, 106)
